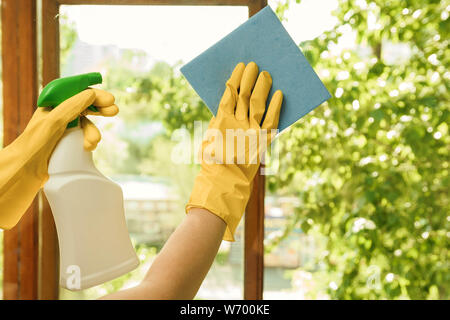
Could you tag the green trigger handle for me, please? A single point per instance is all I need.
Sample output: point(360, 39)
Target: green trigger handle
point(62, 89)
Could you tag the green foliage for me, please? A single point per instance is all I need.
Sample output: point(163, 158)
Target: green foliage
point(68, 37)
point(161, 94)
point(371, 166)
point(282, 6)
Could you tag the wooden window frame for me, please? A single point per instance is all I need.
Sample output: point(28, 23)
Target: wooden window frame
point(31, 256)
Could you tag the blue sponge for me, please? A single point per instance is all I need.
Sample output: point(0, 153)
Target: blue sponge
point(261, 39)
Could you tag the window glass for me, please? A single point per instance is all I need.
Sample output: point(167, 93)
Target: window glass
point(290, 253)
point(139, 50)
point(290, 257)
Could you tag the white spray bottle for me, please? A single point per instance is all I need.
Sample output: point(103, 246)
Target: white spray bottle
point(87, 207)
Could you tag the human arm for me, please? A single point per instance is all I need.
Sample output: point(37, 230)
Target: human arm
point(184, 261)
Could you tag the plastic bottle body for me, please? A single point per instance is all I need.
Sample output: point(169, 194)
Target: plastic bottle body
point(89, 215)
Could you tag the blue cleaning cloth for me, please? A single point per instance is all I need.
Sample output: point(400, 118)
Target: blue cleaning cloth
point(264, 40)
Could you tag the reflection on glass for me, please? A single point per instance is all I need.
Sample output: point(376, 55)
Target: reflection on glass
point(139, 59)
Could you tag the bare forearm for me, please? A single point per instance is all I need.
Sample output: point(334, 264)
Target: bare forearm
point(181, 266)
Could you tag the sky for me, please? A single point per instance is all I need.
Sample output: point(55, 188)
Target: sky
point(172, 33)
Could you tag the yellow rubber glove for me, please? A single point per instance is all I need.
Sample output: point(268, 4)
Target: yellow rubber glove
point(24, 162)
point(224, 183)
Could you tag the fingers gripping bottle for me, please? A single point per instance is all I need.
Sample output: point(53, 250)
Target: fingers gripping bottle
point(87, 207)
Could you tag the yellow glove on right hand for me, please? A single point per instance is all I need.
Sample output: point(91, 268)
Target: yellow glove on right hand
point(235, 140)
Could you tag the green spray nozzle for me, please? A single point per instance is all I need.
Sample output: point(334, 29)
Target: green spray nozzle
point(62, 89)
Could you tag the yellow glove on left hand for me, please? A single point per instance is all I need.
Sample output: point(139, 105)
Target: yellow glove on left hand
point(24, 162)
